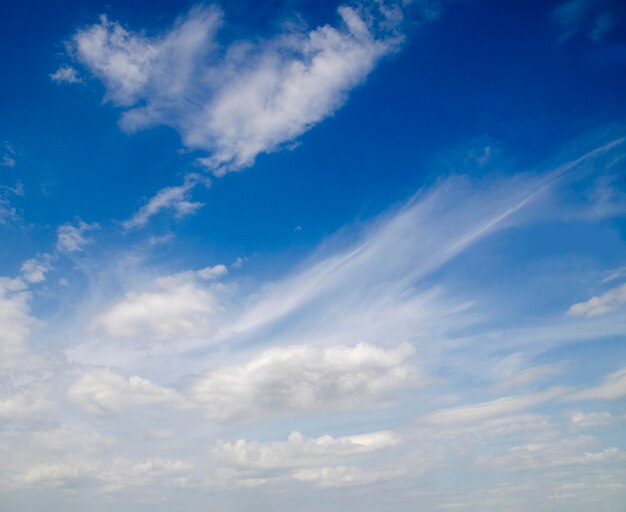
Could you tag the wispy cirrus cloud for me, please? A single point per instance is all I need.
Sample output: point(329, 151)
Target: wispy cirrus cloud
point(176, 199)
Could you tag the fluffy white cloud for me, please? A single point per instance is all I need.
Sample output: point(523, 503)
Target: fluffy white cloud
point(72, 238)
point(305, 378)
point(608, 302)
point(302, 459)
point(175, 308)
point(177, 199)
point(102, 391)
point(242, 100)
point(23, 405)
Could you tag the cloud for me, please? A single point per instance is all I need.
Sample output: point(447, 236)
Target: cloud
point(66, 74)
point(564, 452)
point(102, 391)
point(35, 270)
point(613, 388)
point(244, 99)
point(16, 321)
point(591, 419)
point(608, 302)
point(176, 199)
point(299, 451)
point(596, 17)
point(174, 308)
point(72, 238)
point(303, 459)
point(23, 405)
point(468, 414)
point(305, 378)
point(8, 156)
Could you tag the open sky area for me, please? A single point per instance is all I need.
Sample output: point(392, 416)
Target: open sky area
point(323, 256)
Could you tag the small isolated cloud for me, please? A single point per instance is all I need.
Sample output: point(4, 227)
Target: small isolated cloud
point(71, 238)
point(305, 378)
point(595, 18)
point(247, 98)
point(608, 302)
point(66, 74)
point(102, 391)
point(176, 199)
point(35, 269)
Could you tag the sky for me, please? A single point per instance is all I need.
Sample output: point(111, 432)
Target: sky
point(313, 255)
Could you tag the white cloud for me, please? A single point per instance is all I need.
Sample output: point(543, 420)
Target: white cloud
point(34, 270)
point(175, 308)
point(23, 405)
point(468, 414)
point(102, 391)
point(16, 322)
point(299, 451)
point(305, 378)
point(590, 419)
point(345, 476)
point(573, 451)
point(72, 238)
point(303, 459)
point(613, 388)
point(242, 100)
point(177, 199)
point(66, 74)
point(610, 301)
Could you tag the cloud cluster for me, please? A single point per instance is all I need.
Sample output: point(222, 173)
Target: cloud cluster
point(305, 378)
point(608, 302)
point(244, 99)
point(71, 238)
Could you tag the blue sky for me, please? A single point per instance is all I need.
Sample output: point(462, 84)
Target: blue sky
point(313, 255)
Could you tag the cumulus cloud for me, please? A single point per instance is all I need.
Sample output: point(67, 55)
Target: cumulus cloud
point(305, 378)
point(72, 238)
point(302, 459)
point(176, 199)
point(610, 301)
point(175, 307)
point(23, 405)
point(244, 99)
point(103, 391)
